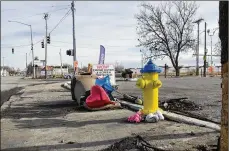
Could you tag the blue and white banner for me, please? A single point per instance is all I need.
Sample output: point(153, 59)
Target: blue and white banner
point(102, 54)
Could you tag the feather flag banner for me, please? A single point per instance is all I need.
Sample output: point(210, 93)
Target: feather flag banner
point(102, 55)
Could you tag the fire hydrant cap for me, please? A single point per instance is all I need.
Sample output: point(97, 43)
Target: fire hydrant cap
point(150, 67)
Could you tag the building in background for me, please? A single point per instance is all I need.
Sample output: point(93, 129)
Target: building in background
point(4, 72)
point(57, 70)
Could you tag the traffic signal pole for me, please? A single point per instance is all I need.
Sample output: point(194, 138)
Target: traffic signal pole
point(31, 33)
point(46, 28)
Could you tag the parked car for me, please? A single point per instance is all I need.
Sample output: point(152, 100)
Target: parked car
point(68, 76)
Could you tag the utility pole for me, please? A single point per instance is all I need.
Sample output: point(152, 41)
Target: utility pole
point(211, 51)
point(31, 35)
point(3, 63)
point(26, 65)
point(26, 61)
point(197, 51)
point(205, 49)
point(165, 70)
point(61, 63)
point(73, 34)
point(46, 34)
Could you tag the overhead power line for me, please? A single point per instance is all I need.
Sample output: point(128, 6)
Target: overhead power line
point(42, 13)
point(62, 19)
point(60, 46)
point(60, 5)
point(56, 10)
point(91, 46)
point(16, 46)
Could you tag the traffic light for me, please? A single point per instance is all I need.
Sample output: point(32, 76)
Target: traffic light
point(12, 50)
point(42, 44)
point(48, 39)
point(69, 52)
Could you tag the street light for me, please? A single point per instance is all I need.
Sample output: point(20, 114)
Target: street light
point(197, 51)
point(208, 31)
point(31, 33)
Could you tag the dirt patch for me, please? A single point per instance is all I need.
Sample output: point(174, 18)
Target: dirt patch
point(136, 143)
point(179, 104)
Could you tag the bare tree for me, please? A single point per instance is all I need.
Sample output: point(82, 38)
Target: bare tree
point(167, 30)
point(119, 67)
point(29, 69)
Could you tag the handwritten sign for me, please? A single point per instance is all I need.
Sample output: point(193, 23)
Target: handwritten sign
point(102, 70)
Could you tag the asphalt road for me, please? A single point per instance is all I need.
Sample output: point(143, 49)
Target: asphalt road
point(10, 85)
point(10, 82)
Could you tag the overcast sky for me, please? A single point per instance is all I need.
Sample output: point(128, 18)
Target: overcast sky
point(111, 24)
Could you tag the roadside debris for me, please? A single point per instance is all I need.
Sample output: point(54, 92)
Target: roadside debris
point(70, 142)
point(179, 104)
point(150, 118)
point(98, 98)
point(95, 94)
point(137, 117)
point(203, 148)
point(117, 105)
point(136, 143)
point(132, 99)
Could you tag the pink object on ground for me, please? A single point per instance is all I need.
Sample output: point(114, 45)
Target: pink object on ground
point(135, 118)
point(98, 98)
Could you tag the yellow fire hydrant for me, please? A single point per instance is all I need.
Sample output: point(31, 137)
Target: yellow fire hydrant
point(150, 84)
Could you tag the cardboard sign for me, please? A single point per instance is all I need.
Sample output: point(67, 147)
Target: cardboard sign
point(102, 70)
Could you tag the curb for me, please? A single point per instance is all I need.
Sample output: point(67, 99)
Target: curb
point(177, 117)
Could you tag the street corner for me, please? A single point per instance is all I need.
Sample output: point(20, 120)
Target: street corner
point(48, 118)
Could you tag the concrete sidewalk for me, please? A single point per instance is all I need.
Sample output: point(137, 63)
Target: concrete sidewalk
point(45, 118)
